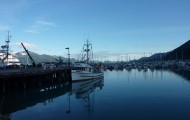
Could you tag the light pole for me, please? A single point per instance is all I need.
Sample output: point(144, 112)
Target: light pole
point(68, 57)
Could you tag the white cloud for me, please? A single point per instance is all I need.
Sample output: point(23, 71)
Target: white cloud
point(32, 31)
point(40, 25)
point(45, 23)
point(30, 46)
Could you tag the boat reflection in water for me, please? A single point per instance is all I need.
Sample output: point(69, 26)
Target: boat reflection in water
point(85, 90)
point(14, 102)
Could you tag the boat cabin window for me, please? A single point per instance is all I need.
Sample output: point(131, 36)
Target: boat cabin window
point(79, 68)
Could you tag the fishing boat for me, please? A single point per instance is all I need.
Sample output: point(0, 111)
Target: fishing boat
point(84, 69)
point(8, 58)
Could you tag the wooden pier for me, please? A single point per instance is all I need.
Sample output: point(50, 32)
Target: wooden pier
point(11, 79)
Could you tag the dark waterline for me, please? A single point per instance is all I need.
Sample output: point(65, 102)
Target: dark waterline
point(133, 95)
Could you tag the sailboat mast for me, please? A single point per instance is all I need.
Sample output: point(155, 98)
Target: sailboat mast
point(87, 51)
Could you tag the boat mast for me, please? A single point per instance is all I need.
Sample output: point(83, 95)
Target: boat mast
point(87, 51)
point(7, 46)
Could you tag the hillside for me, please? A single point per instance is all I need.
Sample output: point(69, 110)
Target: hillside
point(154, 57)
point(38, 58)
point(180, 53)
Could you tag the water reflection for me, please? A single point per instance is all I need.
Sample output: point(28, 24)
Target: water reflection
point(149, 74)
point(184, 73)
point(152, 94)
point(85, 92)
point(20, 100)
point(128, 93)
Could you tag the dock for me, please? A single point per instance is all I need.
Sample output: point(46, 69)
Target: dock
point(25, 78)
point(14, 73)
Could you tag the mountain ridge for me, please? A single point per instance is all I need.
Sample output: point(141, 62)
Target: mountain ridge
point(38, 58)
point(180, 53)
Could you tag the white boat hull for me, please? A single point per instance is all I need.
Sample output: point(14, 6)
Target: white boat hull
point(85, 84)
point(80, 75)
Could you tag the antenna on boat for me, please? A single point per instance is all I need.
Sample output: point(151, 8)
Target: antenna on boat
point(8, 41)
point(6, 47)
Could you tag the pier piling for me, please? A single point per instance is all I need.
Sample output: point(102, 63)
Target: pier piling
point(32, 77)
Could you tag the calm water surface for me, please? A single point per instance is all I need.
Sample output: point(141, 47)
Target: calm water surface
point(133, 95)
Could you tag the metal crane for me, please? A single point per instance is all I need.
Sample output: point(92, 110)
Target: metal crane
point(33, 63)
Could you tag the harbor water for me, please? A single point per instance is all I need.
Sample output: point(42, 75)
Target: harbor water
point(121, 94)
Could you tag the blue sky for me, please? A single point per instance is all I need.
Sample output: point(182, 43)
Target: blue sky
point(114, 27)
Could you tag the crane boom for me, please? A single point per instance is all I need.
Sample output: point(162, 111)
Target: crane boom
point(33, 63)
